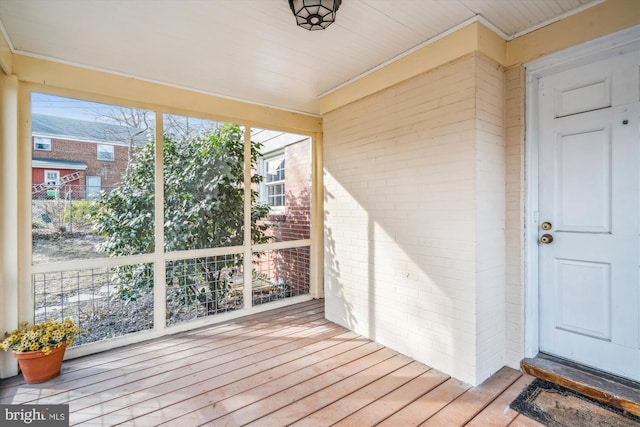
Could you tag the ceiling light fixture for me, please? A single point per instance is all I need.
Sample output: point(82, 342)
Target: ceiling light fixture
point(315, 14)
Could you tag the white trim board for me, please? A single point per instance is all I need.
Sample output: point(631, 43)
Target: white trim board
point(601, 48)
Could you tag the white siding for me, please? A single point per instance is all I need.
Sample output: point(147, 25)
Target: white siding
point(407, 171)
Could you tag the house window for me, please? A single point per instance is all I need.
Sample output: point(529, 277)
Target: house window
point(51, 177)
point(274, 189)
point(105, 152)
point(42, 144)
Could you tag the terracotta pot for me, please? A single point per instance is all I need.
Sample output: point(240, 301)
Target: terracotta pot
point(38, 367)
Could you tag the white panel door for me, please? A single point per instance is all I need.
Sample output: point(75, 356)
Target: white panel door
point(589, 198)
point(93, 186)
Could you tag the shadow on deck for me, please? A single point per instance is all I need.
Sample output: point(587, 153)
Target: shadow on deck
point(285, 366)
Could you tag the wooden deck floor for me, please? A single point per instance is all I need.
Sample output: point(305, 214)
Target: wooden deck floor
point(286, 366)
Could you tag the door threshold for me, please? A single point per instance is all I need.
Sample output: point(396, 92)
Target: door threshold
point(609, 389)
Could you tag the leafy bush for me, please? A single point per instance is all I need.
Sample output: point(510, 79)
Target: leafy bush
point(82, 210)
point(203, 208)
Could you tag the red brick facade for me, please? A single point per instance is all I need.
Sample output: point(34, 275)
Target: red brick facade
point(110, 172)
point(292, 265)
point(295, 222)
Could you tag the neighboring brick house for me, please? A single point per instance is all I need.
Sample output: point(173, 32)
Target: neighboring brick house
point(85, 156)
point(287, 189)
point(291, 201)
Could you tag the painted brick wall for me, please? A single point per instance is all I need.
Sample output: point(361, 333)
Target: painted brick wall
point(406, 172)
point(515, 193)
point(490, 216)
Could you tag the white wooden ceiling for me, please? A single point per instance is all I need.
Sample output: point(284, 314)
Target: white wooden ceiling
point(250, 49)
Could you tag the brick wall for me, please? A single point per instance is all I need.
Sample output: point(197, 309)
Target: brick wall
point(490, 217)
point(110, 172)
point(293, 265)
point(514, 226)
point(407, 172)
point(295, 224)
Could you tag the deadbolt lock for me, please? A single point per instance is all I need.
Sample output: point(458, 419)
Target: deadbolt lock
point(546, 226)
point(546, 238)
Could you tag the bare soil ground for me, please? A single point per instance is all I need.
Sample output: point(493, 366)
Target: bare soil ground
point(54, 247)
point(89, 295)
point(91, 304)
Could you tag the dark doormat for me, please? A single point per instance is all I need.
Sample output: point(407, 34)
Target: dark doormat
point(556, 406)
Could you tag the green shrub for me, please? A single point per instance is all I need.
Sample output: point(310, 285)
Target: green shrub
point(83, 211)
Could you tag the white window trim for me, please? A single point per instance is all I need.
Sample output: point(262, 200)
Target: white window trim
point(112, 152)
point(263, 185)
point(56, 172)
point(41, 140)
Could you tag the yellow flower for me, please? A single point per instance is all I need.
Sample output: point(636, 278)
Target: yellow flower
point(42, 336)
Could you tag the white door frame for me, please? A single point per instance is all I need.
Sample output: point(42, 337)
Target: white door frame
point(588, 52)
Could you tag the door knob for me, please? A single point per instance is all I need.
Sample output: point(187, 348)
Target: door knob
point(546, 226)
point(546, 238)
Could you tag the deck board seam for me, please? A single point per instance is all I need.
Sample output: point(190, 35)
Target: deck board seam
point(337, 331)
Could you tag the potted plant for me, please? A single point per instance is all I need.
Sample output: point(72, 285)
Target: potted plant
point(40, 348)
